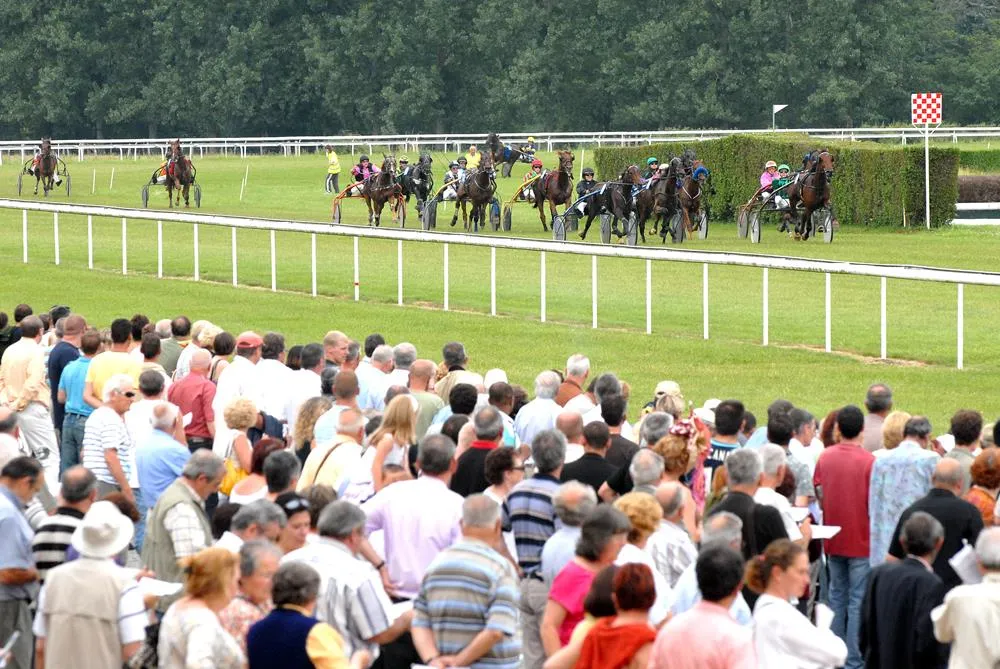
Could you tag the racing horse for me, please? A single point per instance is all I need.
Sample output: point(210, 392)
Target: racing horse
point(478, 187)
point(811, 189)
point(418, 181)
point(381, 188)
point(556, 187)
point(45, 170)
point(503, 154)
point(180, 176)
point(689, 196)
point(614, 197)
point(660, 199)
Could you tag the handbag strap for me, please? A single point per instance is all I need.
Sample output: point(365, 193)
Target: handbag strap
point(323, 461)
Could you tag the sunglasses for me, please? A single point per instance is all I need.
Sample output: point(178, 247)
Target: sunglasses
point(129, 394)
point(296, 505)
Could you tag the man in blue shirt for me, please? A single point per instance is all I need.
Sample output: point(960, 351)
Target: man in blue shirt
point(69, 329)
point(70, 396)
point(728, 420)
point(160, 459)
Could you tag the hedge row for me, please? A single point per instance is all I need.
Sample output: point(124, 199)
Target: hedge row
point(979, 188)
point(984, 161)
point(873, 184)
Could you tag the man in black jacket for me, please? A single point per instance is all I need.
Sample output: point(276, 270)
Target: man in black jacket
point(762, 524)
point(896, 627)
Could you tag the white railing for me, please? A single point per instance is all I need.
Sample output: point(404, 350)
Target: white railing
point(765, 262)
point(989, 213)
point(294, 145)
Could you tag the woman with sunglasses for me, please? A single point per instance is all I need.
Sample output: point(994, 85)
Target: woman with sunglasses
point(293, 535)
point(106, 444)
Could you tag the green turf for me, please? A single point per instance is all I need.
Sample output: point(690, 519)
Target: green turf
point(921, 315)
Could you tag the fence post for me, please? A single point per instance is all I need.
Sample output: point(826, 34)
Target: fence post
point(313, 249)
point(704, 300)
point(446, 276)
point(197, 268)
point(884, 347)
point(649, 297)
point(55, 233)
point(960, 325)
point(159, 249)
point(274, 261)
point(829, 319)
point(593, 291)
point(764, 290)
point(542, 277)
point(90, 242)
point(357, 272)
point(24, 233)
point(124, 245)
point(234, 255)
point(399, 272)
point(493, 281)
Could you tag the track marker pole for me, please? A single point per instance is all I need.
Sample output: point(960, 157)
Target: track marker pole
point(357, 271)
point(55, 233)
point(159, 249)
point(593, 291)
point(313, 251)
point(90, 242)
point(274, 264)
point(399, 272)
point(93, 181)
point(649, 297)
point(542, 277)
point(124, 245)
point(112, 184)
point(828, 330)
point(493, 281)
point(446, 276)
point(960, 326)
point(884, 347)
point(704, 300)
point(234, 255)
point(764, 291)
point(197, 267)
point(24, 234)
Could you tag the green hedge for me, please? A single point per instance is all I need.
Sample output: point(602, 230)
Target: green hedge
point(873, 184)
point(984, 161)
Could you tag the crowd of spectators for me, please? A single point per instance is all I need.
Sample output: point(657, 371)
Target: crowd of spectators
point(173, 495)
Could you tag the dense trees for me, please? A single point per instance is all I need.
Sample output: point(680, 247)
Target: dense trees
point(267, 67)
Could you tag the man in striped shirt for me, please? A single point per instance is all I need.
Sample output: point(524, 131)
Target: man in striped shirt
point(533, 520)
point(466, 612)
point(76, 494)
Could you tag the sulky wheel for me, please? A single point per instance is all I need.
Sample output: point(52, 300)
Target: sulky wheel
point(559, 228)
point(754, 225)
point(703, 224)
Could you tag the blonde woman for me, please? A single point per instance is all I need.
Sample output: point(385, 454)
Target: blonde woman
point(393, 438)
point(240, 415)
point(892, 432)
point(305, 424)
point(678, 450)
point(644, 514)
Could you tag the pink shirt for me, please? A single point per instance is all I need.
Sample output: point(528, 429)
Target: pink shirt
point(766, 178)
point(706, 637)
point(569, 588)
point(420, 519)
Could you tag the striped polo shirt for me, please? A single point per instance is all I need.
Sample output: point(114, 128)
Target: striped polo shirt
point(469, 588)
point(53, 538)
point(532, 518)
point(105, 430)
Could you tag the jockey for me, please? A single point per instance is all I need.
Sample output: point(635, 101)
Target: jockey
point(404, 166)
point(652, 165)
point(35, 160)
point(783, 179)
point(768, 176)
point(529, 148)
point(586, 186)
point(451, 191)
point(332, 170)
point(527, 192)
point(364, 169)
point(473, 157)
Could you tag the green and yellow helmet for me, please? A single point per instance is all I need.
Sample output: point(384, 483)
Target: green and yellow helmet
point(784, 168)
point(651, 160)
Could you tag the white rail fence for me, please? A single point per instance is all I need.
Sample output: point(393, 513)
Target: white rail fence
point(960, 278)
point(294, 145)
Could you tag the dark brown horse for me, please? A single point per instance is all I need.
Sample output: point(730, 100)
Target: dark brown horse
point(381, 188)
point(180, 175)
point(659, 200)
point(45, 170)
point(556, 187)
point(504, 155)
point(615, 198)
point(478, 187)
point(812, 189)
point(689, 196)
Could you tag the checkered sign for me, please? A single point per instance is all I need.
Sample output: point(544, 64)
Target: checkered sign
point(925, 109)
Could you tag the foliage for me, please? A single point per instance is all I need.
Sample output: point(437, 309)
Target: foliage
point(984, 161)
point(873, 183)
point(979, 188)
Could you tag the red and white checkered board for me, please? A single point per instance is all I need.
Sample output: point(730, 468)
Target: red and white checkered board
point(925, 108)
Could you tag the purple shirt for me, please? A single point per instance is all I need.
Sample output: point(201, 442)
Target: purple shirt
point(414, 537)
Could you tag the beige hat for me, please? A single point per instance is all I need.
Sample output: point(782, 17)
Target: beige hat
point(103, 533)
point(668, 388)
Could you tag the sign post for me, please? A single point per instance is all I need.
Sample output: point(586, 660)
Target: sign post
point(925, 110)
point(774, 111)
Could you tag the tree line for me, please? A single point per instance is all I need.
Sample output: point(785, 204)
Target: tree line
point(121, 68)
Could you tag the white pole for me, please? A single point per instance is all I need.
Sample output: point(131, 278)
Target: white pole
point(704, 300)
point(234, 255)
point(399, 272)
point(246, 176)
point(649, 297)
point(159, 249)
point(773, 113)
point(961, 326)
point(93, 182)
point(314, 267)
point(593, 291)
point(55, 232)
point(927, 175)
point(542, 278)
point(583, 153)
point(446, 277)
point(764, 290)
point(828, 328)
point(197, 268)
point(24, 233)
point(357, 272)
point(884, 347)
point(124, 245)
point(274, 264)
point(90, 242)
point(112, 184)
point(493, 281)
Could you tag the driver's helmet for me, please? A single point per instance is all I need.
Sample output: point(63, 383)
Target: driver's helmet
point(536, 163)
point(652, 161)
point(463, 161)
point(588, 171)
point(769, 164)
point(784, 168)
point(531, 140)
point(363, 158)
point(403, 160)
point(452, 165)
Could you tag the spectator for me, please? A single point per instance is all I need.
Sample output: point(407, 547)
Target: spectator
point(783, 635)
point(577, 371)
point(591, 468)
point(843, 476)
point(159, 460)
point(319, 497)
point(394, 437)
point(191, 633)
point(899, 478)
point(222, 345)
point(706, 635)
point(335, 347)
point(254, 486)
point(294, 359)
point(77, 493)
point(761, 524)
point(967, 619)
point(295, 531)
point(777, 407)
point(413, 538)
point(70, 393)
point(259, 560)
point(20, 480)
point(728, 421)
point(504, 469)
point(597, 605)
point(258, 520)
point(622, 449)
point(69, 329)
point(23, 388)
point(374, 384)
point(570, 423)
point(470, 472)
point(91, 599)
point(195, 395)
point(602, 536)
point(644, 515)
point(892, 431)
point(240, 415)
point(420, 383)
point(896, 626)
point(572, 502)
point(500, 396)
point(774, 467)
point(985, 484)
point(828, 431)
point(670, 546)
point(309, 413)
point(646, 471)
point(329, 462)
point(454, 361)
point(780, 428)
point(290, 637)
point(112, 362)
point(273, 376)
point(466, 612)
point(805, 444)
point(139, 418)
point(967, 429)
point(281, 472)
point(878, 401)
point(345, 396)
point(962, 522)
point(540, 413)
point(107, 448)
point(305, 384)
point(177, 338)
point(352, 597)
point(198, 330)
point(626, 639)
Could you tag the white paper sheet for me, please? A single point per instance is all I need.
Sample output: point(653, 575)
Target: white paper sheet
point(966, 565)
point(799, 513)
point(825, 531)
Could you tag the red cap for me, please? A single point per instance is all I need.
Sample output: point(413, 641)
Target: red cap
point(249, 339)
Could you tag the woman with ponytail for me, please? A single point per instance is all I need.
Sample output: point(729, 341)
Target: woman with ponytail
point(784, 638)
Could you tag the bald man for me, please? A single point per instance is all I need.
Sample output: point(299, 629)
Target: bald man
point(194, 395)
point(672, 548)
point(962, 521)
point(570, 423)
point(421, 385)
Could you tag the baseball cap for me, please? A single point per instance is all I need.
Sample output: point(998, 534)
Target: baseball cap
point(249, 339)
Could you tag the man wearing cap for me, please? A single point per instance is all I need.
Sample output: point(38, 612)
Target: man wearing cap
point(90, 611)
point(239, 379)
point(64, 352)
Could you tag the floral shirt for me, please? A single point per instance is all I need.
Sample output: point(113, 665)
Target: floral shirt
point(899, 478)
point(239, 615)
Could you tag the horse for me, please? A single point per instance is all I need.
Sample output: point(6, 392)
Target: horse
point(381, 188)
point(478, 187)
point(45, 170)
point(615, 199)
point(556, 187)
point(180, 176)
point(660, 199)
point(502, 154)
point(812, 189)
point(418, 181)
point(689, 196)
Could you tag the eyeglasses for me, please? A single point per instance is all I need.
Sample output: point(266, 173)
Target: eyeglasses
point(296, 504)
point(518, 469)
point(129, 394)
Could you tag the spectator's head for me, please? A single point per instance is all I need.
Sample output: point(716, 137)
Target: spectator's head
point(670, 496)
point(326, 380)
point(729, 418)
point(634, 588)
point(892, 429)
point(281, 471)
point(548, 449)
point(570, 423)
point(599, 602)
point(119, 393)
point(74, 325)
point(596, 437)
point(922, 535)
point(672, 405)
point(259, 560)
point(121, 331)
point(452, 427)
point(258, 520)
point(644, 515)
point(90, 343)
point(949, 475)
point(8, 421)
point(602, 535)
point(436, 455)
point(78, 488)
point(240, 414)
point(343, 522)
point(481, 518)
point(501, 396)
point(296, 584)
point(150, 347)
point(725, 528)
point(305, 422)
point(504, 468)
point(353, 357)
point(204, 471)
point(212, 574)
point(878, 399)
point(578, 367)
point(222, 519)
point(260, 451)
point(779, 406)
point(719, 570)
point(547, 385)
point(606, 385)
point(745, 471)
point(162, 328)
point(918, 429)
point(223, 344)
point(774, 463)
point(654, 427)
point(201, 362)
point(139, 323)
point(463, 398)
point(21, 312)
point(646, 468)
point(803, 425)
point(988, 550)
point(780, 429)
point(381, 358)
point(967, 428)
point(613, 409)
point(454, 356)
point(351, 423)
point(151, 383)
point(345, 386)
point(164, 417)
point(850, 422)
point(312, 358)
point(782, 568)
point(421, 375)
point(372, 342)
point(335, 347)
point(985, 469)
point(488, 425)
point(294, 358)
point(399, 420)
point(404, 355)
point(319, 497)
point(33, 328)
point(676, 448)
point(573, 502)
point(273, 347)
point(296, 530)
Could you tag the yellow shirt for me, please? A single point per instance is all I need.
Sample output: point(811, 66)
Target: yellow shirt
point(473, 160)
point(334, 166)
point(107, 364)
point(324, 646)
point(22, 375)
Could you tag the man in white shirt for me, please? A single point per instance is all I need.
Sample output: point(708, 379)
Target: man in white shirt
point(345, 396)
point(238, 379)
point(404, 355)
point(540, 413)
point(258, 520)
point(305, 384)
point(374, 382)
point(775, 464)
point(605, 386)
point(570, 423)
point(331, 460)
point(24, 388)
point(274, 378)
point(671, 547)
